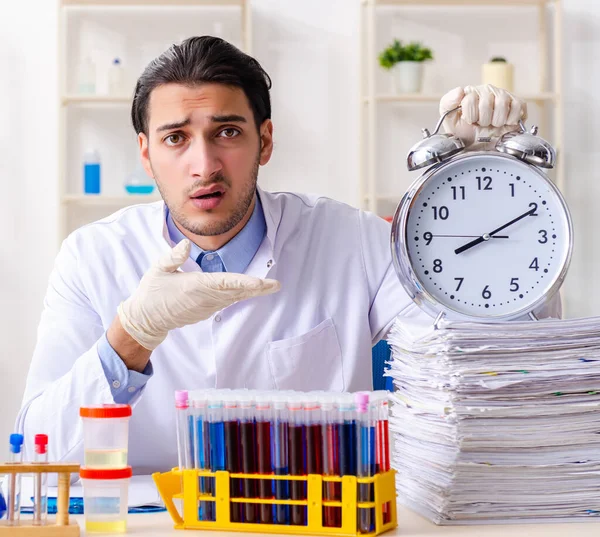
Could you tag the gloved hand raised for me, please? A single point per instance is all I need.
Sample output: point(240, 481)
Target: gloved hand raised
point(167, 298)
point(486, 111)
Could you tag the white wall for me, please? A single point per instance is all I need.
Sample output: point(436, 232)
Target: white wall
point(28, 161)
point(311, 50)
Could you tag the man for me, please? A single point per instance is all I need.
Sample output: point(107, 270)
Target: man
point(251, 289)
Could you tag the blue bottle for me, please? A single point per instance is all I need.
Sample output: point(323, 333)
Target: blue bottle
point(2, 505)
point(91, 172)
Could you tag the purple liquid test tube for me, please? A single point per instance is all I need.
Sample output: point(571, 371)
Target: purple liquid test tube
point(232, 449)
point(264, 417)
point(248, 453)
point(297, 457)
point(332, 516)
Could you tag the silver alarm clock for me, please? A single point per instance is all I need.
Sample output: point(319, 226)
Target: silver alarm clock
point(482, 236)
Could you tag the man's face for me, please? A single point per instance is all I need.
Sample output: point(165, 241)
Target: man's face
point(203, 149)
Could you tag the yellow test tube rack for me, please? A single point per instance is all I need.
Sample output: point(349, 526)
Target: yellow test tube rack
point(183, 485)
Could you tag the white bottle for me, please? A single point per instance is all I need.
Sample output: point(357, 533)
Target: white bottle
point(116, 78)
point(87, 76)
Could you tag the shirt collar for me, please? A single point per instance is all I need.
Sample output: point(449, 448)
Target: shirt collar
point(239, 251)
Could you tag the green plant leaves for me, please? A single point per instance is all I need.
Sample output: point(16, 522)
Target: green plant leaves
point(396, 52)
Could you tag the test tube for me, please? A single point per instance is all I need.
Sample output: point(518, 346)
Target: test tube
point(345, 402)
point(248, 452)
point(365, 440)
point(332, 516)
point(232, 453)
point(314, 434)
point(183, 429)
point(201, 451)
point(380, 400)
point(382, 439)
point(264, 417)
point(297, 457)
point(216, 434)
point(40, 484)
point(13, 497)
point(279, 457)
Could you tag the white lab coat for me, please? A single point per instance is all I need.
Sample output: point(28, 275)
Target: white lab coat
point(339, 295)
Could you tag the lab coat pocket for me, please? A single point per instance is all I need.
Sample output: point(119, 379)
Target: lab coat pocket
point(312, 361)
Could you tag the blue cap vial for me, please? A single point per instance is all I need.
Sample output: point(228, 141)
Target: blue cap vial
point(16, 441)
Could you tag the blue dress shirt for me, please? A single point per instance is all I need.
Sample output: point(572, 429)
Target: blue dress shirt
point(235, 256)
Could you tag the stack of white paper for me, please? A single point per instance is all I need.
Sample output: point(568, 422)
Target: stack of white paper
point(497, 422)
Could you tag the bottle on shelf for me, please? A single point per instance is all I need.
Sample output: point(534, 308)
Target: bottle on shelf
point(91, 172)
point(137, 182)
point(116, 77)
point(87, 76)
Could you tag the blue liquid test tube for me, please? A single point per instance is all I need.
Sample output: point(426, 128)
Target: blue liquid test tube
point(216, 434)
point(201, 452)
point(183, 429)
point(365, 439)
point(13, 496)
point(347, 446)
point(279, 457)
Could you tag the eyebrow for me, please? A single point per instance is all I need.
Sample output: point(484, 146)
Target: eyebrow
point(230, 118)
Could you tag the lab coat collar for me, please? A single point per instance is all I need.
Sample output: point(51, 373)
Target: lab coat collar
point(271, 207)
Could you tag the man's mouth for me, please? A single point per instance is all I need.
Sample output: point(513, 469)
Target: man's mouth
point(217, 194)
point(208, 198)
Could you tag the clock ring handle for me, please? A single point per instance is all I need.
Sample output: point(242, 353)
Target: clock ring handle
point(427, 134)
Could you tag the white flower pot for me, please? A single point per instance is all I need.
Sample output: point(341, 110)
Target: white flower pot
point(408, 77)
point(499, 74)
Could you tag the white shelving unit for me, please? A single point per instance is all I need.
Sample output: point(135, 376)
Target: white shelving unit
point(547, 96)
point(121, 27)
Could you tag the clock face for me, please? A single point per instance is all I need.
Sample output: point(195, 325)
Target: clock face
point(487, 236)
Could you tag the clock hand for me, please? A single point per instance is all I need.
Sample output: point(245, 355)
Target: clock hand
point(472, 236)
point(488, 236)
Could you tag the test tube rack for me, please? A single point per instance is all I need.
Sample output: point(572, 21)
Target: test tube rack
point(61, 526)
point(183, 485)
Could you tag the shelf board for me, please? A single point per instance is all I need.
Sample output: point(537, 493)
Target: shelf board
point(433, 97)
point(163, 3)
point(458, 3)
point(74, 98)
point(105, 201)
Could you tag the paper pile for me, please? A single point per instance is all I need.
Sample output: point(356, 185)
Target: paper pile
point(497, 423)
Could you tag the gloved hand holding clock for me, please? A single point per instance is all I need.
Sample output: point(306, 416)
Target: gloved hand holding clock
point(486, 111)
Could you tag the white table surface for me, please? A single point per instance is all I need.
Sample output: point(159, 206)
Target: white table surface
point(409, 525)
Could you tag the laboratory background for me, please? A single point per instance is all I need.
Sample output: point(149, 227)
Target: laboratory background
point(343, 122)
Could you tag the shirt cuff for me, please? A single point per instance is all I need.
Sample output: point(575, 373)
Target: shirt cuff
point(124, 383)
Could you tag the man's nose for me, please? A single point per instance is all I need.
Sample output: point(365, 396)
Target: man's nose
point(204, 160)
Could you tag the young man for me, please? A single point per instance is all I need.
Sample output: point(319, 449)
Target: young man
point(251, 289)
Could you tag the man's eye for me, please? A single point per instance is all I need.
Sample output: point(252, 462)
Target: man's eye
point(173, 139)
point(229, 133)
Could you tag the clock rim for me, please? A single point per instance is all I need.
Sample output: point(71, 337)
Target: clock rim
point(407, 276)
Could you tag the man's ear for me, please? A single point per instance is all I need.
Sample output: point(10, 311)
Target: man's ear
point(145, 154)
point(266, 141)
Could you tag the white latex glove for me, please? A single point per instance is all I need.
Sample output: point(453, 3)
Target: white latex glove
point(486, 111)
point(167, 298)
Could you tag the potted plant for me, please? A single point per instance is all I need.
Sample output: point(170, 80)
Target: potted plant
point(406, 63)
point(499, 73)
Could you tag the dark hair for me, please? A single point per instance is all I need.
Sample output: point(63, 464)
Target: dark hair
point(203, 59)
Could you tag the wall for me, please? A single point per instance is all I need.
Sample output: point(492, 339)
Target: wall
point(28, 210)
